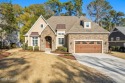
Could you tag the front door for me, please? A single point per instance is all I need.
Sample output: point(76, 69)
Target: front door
point(48, 42)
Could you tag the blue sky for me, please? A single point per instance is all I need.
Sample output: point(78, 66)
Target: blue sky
point(118, 5)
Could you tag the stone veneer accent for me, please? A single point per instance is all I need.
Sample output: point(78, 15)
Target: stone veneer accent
point(87, 36)
point(47, 32)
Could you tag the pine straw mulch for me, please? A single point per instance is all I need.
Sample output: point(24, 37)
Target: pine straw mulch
point(4, 54)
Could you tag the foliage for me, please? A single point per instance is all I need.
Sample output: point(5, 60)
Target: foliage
point(30, 48)
point(28, 18)
point(55, 5)
point(113, 19)
point(25, 46)
point(62, 48)
point(36, 48)
point(98, 9)
point(112, 48)
point(13, 45)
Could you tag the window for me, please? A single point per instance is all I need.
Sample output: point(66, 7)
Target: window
point(84, 42)
point(60, 33)
point(41, 25)
point(77, 42)
point(87, 24)
point(112, 39)
point(117, 38)
point(91, 42)
point(61, 40)
point(99, 42)
point(35, 41)
point(124, 44)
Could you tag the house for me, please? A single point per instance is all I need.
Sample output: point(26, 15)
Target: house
point(78, 34)
point(117, 37)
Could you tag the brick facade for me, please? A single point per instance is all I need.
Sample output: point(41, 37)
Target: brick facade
point(87, 36)
point(47, 32)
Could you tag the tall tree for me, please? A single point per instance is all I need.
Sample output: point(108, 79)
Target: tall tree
point(7, 18)
point(113, 19)
point(98, 9)
point(69, 7)
point(29, 16)
point(55, 6)
point(78, 7)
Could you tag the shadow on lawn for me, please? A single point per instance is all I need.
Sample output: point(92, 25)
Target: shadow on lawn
point(77, 75)
point(10, 68)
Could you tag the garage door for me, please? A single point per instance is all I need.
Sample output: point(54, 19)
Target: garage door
point(88, 47)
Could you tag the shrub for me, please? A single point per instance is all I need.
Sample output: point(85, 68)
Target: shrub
point(62, 49)
point(0, 44)
point(117, 48)
point(13, 45)
point(36, 48)
point(113, 48)
point(30, 48)
point(24, 46)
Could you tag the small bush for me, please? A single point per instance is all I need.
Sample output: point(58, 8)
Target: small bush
point(117, 48)
point(24, 46)
point(30, 48)
point(36, 48)
point(112, 48)
point(13, 45)
point(62, 49)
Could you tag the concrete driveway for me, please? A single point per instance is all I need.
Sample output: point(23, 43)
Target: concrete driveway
point(111, 66)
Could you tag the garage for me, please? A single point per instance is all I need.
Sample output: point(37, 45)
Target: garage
point(88, 46)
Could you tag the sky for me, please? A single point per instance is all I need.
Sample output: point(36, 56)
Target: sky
point(118, 5)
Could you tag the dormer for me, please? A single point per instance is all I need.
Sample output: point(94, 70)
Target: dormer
point(87, 25)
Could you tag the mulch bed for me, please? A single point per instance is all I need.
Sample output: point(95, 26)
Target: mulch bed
point(67, 56)
point(30, 51)
point(4, 54)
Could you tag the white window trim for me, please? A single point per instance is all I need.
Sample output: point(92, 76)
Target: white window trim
point(117, 38)
point(112, 39)
point(32, 41)
point(89, 25)
point(124, 44)
point(41, 24)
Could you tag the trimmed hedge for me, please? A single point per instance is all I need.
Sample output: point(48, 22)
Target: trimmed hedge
point(117, 48)
point(36, 48)
point(30, 48)
point(62, 49)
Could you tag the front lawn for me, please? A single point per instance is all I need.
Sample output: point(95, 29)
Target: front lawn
point(118, 54)
point(38, 67)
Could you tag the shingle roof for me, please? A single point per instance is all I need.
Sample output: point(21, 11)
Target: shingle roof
point(34, 34)
point(72, 24)
point(121, 29)
point(60, 26)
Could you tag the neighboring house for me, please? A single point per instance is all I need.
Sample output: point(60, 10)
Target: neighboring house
point(78, 34)
point(117, 37)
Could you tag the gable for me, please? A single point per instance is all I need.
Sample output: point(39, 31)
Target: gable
point(37, 26)
point(48, 31)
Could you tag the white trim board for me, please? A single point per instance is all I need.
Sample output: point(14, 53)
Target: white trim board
point(88, 40)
